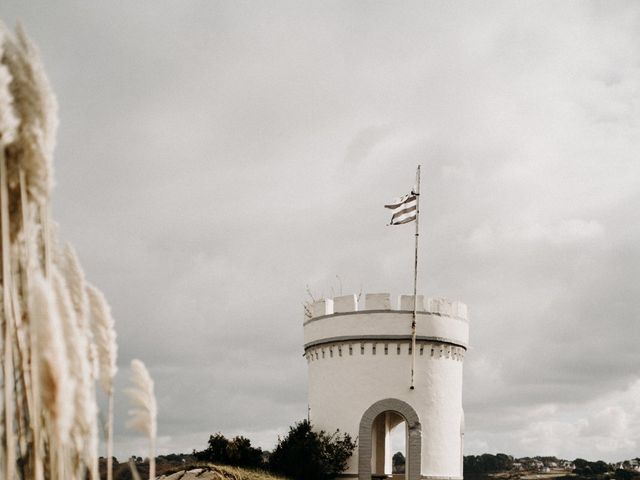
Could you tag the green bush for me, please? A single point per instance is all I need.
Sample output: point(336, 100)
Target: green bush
point(305, 454)
point(487, 463)
point(237, 452)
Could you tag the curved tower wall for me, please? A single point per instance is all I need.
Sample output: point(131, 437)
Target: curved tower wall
point(361, 354)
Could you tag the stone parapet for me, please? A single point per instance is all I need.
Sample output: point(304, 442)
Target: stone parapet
point(385, 302)
point(376, 317)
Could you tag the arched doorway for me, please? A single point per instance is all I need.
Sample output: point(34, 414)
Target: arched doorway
point(375, 425)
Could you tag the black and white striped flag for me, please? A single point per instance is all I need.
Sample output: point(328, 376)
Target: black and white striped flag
point(404, 209)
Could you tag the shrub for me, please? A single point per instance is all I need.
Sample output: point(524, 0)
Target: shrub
point(398, 463)
point(237, 452)
point(585, 468)
point(240, 453)
point(305, 454)
point(625, 474)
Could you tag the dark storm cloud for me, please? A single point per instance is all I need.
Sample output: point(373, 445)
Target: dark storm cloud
point(216, 158)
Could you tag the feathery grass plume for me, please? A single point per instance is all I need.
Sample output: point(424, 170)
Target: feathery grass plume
point(50, 355)
point(36, 107)
point(105, 337)
point(48, 103)
point(143, 417)
point(76, 282)
point(84, 429)
point(72, 338)
point(104, 333)
point(8, 120)
point(28, 238)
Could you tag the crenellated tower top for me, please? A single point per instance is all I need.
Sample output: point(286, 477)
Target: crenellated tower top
point(381, 317)
point(385, 302)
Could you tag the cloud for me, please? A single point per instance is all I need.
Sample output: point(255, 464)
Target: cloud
point(571, 231)
point(603, 428)
point(213, 160)
point(364, 142)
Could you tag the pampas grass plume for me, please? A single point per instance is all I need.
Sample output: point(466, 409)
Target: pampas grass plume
point(84, 431)
point(77, 284)
point(51, 357)
point(105, 337)
point(36, 107)
point(143, 417)
point(48, 104)
point(8, 119)
point(71, 336)
point(107, 352)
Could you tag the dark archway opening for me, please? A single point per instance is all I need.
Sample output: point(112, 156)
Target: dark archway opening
point(399, 450)
point(388, 439)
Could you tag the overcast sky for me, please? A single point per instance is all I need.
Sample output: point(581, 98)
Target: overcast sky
point(214, 158)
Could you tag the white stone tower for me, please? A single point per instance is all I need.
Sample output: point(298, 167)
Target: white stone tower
point(359, 359)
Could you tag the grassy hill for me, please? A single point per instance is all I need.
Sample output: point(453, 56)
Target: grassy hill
point(216, 472)
point(195, 471)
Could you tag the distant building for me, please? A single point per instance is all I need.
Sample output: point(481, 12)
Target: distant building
point(537, 465)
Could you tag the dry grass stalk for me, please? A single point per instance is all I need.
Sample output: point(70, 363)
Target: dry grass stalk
point(104, 333)
point(105, 337)
point(143, 415)
point(134, 470)
point(51, 357)
point(70, 292)
point(8, 321)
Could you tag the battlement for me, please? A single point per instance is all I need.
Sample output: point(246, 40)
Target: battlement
point(385, 302)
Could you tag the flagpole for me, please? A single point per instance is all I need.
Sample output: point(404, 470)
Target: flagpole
point(415, 283)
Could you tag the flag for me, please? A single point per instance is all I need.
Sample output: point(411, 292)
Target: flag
point(404, 209)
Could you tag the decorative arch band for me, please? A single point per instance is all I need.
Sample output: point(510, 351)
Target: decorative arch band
point(414, 439)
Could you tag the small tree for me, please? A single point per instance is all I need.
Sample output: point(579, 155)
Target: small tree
point(217, 450)
point(398, 462)
point(305, 454)
point(240, 453)
point(504, 462)
point(237, 452)
point(622, 474)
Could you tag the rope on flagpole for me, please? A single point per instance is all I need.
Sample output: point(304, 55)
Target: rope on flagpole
point(415, 283)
